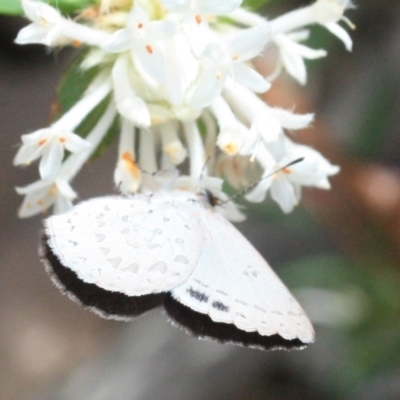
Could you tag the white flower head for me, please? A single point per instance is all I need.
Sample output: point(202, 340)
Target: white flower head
point(179, 78)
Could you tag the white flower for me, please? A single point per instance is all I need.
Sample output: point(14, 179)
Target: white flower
point(227, 58)
point(285, 185)
point(41, 195)
point(292, 54)
point(50, 28)
point(266, 123)
point(329, 12)
point(195, 13)
point(49, 144)
point(234, 137)
point(324, 12)
point(141, 36)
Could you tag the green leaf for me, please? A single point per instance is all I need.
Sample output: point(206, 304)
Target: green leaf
point(73, 84)
point(10, 7)
point(13, 7)
point(254, 4)
point(91, 120)
point(71, 6)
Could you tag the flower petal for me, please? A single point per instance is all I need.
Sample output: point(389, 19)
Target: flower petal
point(38, 200)
point(290, 120)
point(248, 43)
point(151, 59)
point(74, 143)
point(129, 104)
point(284, 193)
point(178, 6)
point(38, 11)
point(33, 33)
point(119, 41)
point(294, 65)
point(208, 87)
point(26, 154)
point(65, 189)
point(259, 193)
point(342, 34)
point(51, 160)
point(220, 7)
point(161, 30)
point(250, 78)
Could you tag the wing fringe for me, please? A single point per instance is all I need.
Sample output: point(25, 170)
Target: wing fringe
point(203, 327)
point(107, 304)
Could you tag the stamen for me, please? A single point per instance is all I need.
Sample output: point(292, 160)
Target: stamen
point(53, 190)
point(349, 23)
point(198, 19)
point(149, 49)
point(231, 149)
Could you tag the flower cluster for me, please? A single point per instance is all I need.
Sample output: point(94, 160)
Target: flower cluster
point(179, 80)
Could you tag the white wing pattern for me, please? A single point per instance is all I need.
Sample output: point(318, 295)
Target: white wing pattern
point(125, 244)
point(123, 256)
point(233, 284)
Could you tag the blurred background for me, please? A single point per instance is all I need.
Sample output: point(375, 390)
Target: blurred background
point(339, 252)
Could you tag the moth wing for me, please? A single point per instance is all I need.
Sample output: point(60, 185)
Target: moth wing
point(135, 246)
point(241, 298)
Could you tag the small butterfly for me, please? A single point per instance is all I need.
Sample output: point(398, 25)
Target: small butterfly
point(122, 256)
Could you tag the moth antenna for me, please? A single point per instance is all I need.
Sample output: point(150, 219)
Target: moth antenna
point(241, 193)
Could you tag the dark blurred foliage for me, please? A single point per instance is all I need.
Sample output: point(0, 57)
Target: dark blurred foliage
point(339, 251)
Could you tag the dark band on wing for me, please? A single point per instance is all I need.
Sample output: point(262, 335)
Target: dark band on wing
point(104, 302)
point(202, 326)
point(199, 296)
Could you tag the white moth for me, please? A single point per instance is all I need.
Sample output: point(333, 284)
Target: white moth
point(121, 256)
